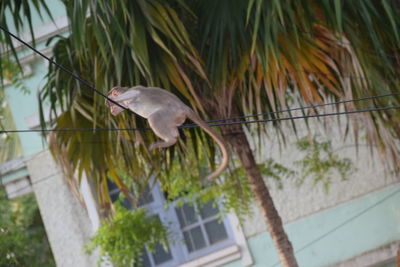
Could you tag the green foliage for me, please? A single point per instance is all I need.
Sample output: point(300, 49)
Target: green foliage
point(321, 163)
point(122, 239)
point(18, 14)
point(187, 184)
point(276, 171)
point(23, 240)
point(232, 190)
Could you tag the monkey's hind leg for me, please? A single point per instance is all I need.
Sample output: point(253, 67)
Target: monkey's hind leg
point(164, 128)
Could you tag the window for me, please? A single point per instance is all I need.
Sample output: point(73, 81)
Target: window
point(159, 256)
point(198, 230)
point(201, 229)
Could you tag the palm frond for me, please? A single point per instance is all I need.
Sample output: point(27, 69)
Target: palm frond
point(235, 57)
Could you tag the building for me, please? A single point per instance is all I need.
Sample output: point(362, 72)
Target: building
point(356, 224)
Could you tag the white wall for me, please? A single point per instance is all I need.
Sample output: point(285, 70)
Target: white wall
point(66, 221)
point(297, 202)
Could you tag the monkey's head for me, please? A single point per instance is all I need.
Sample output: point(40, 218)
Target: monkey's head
point(114, 92)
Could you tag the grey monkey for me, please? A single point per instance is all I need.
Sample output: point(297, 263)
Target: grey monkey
point(164, 112)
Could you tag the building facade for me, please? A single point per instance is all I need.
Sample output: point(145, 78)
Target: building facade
point(355, 223)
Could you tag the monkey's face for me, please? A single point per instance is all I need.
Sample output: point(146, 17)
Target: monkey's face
point(115, 110)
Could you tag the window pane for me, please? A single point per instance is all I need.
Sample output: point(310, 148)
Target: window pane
point(208, 210)
point(186, 215)
point(194, 239)
point(145, 262)
point(127, 204)
point(146, 197)
point(215, 231)
point(188, 241)
point(113, 190)
point(114, 195)
point(198, 238)
point(161, 255)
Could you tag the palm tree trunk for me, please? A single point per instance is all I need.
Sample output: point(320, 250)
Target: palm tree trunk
point(236, 138)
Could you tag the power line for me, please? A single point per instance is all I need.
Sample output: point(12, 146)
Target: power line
point(187, 126)
point(116, 103)
point(299, 117)
point(312, 106)
point(219, 120)
point(184, 126)
point(219, 124)
point(344, 223)
point(64, 69)
point(103, 95)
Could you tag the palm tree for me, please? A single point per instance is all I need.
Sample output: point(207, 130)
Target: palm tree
point(225, 59)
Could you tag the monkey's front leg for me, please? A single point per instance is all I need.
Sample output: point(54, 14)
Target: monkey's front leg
point(165, 128)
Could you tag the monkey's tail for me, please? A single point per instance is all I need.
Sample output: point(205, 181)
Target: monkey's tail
point(225, 154)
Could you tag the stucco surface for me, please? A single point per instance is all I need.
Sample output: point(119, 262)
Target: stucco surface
point(67, 224)
point(296, 202)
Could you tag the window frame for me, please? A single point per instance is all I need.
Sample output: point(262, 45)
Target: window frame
point(170, 217)
point(177, 247)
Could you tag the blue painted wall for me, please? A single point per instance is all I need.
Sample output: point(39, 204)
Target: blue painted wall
point(57, 10)
point(24, 105)
point(378, 225)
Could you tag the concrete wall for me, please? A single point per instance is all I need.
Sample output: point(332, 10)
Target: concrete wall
point(309, 212)
point(296, 202)
point(66, 221)
point(330, 237)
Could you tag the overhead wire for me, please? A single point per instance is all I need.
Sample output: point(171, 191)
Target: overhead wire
point(188, 126)
point(213, 124)
point(218, 124)
point(185, 126)
point(111, 100)
point(310, 107)
point(116, 103)
point(64, 69)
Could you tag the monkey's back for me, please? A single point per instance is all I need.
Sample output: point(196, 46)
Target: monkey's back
point(153, 99)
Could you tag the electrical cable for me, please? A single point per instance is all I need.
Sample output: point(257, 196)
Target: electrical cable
point(187, 126)
point(227, 119)
point(310, 107)
point(103, 95)
point(220, 124)
point(298, 117)
point(64, 69)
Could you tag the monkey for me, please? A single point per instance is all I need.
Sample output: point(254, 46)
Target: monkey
point(164, 112)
